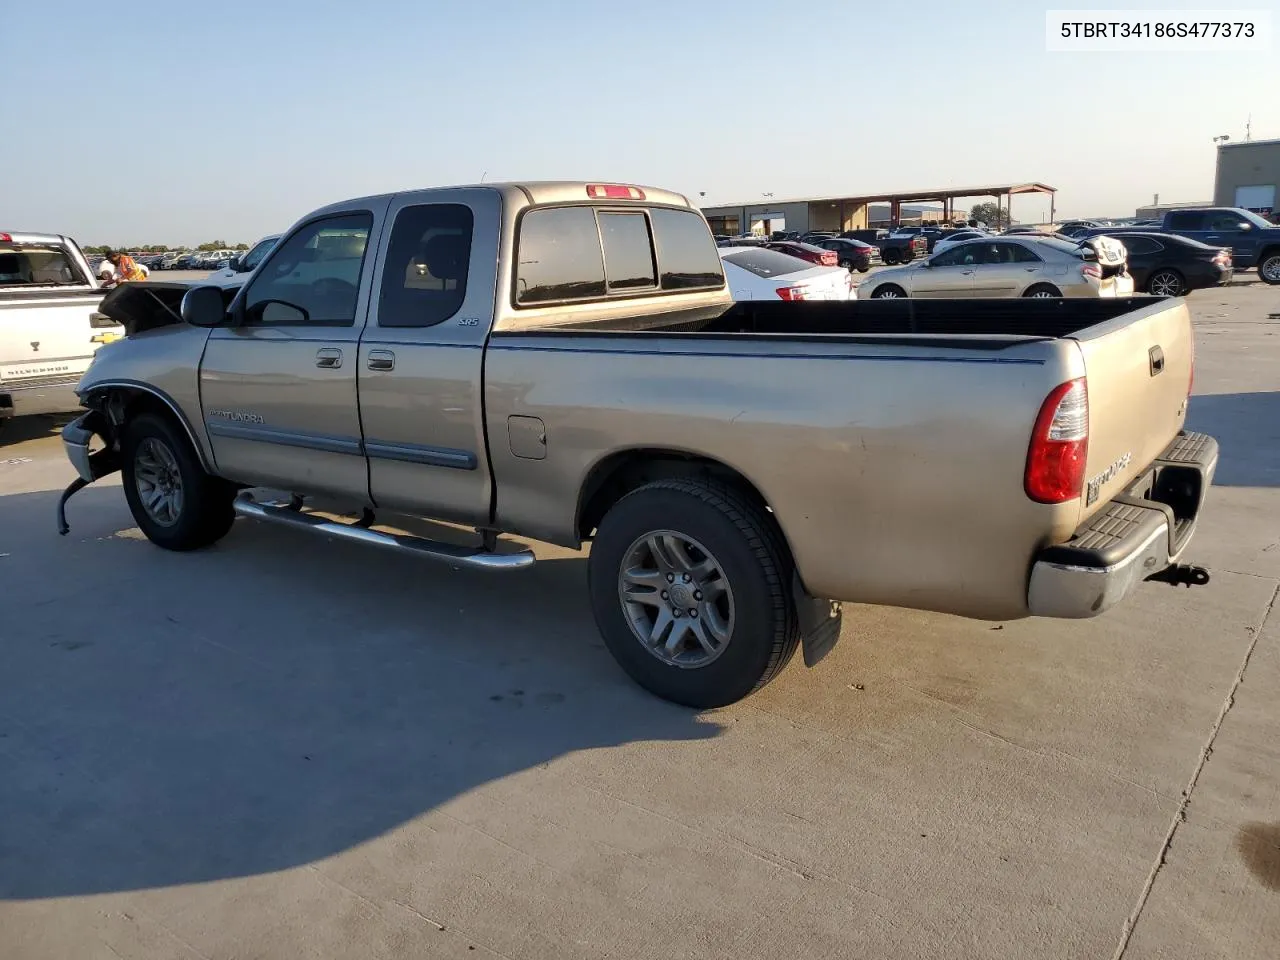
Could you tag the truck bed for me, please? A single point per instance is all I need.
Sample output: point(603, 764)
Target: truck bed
point(945, 319)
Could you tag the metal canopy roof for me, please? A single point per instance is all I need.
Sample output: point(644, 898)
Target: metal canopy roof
point(902, 196)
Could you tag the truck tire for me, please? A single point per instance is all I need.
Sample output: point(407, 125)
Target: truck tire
point(1269, 266)
point(890, 257)
point(690, 586)
point(175, 503)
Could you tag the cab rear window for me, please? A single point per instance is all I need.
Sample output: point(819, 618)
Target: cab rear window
point(566, 254)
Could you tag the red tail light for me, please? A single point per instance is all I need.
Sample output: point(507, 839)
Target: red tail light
point(1223, 257)
point(828, 259)
point(1059, 445)
point(1092, 270)
point(5, 238)
point(790, 293)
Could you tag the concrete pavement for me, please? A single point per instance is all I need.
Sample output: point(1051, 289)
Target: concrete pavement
point(275, 748)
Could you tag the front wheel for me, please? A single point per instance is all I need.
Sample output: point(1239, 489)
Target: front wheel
point(175, 503)
point(690, 589)
point(1269, 267)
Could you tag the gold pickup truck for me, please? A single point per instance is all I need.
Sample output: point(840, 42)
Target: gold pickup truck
point(563, 362)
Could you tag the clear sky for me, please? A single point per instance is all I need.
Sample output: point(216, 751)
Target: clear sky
point(184, 121)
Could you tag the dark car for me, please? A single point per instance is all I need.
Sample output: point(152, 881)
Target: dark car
point(1253, 241)
point(1169, 265)
point(805, 251)
point(853, 254)
point(779, 235)
point(816, 236)
point(895, 248)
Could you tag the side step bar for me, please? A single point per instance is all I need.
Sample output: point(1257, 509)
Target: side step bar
point(473, 558)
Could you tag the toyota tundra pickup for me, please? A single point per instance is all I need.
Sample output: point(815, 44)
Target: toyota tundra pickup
point(562, 362)
point(49, 323)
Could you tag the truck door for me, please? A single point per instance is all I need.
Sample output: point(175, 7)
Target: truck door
point(1226, 228)
point(278, 387)
point(422, 355)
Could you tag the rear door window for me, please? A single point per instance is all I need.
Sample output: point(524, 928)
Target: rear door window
point(766, 263)
point(424, 280)
point(559, 256)
point(1139, 245)
point(628, 251)
point(1186, 220)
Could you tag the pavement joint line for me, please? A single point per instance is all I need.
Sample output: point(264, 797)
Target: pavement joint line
point(1131, 922)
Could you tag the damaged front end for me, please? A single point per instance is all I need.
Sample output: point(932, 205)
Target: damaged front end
point(91, 465)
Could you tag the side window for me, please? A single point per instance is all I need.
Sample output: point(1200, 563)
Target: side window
point(254, 256)
point(1225, 220)
point(558, 256)
point(628, 251)
point(313, 277)
point(687, 255)
point(1186, 220)
point(1017, 253)
point(424, 279)
point(955, 256)
point(1139, 245)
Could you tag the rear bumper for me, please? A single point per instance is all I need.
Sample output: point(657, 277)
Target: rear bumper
point(47, 395)
point(1138, 534)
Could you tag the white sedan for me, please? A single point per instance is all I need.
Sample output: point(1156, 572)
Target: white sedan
point(754, 273)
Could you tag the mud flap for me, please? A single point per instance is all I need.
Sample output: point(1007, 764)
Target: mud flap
point(820, 623)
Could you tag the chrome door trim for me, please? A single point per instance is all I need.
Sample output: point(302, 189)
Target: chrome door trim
point(414, 453)
point(310, 441)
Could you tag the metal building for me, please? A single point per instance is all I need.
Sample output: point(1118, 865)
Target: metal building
point(1248, 176)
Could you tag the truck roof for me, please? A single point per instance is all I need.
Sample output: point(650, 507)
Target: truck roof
point(533, 192)
point(11, 237)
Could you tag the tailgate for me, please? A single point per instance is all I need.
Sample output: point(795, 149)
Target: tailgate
point(1139, 374)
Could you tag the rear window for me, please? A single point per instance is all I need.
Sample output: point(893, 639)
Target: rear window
point(766, 263)
point(563, 254)
point(1062, 246)
point(1186, 220)
point(628, 251)
point(31, 265)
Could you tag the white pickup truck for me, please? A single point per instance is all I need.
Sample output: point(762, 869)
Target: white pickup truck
point(49, 323)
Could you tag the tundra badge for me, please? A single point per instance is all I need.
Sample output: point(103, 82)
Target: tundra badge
point(1094, 487)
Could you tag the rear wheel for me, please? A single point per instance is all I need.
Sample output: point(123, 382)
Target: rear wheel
point(848, 265)
point(173, 500)
point(689, 585)
point(1269, 267)
point(1166, 283)
point(1043, 291)
point(890, 256)
point(888, 291)
point(864, 264)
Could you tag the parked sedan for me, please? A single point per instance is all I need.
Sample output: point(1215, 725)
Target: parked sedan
point(805, 251)
point(1012, 266)
point(1168, 265)
point(853, 254)
point(759, 274)
point(958, 236)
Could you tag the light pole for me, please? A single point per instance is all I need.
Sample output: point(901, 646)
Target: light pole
point(1222, 139)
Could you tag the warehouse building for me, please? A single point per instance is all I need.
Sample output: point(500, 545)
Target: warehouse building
point(1247, 176)
point(854, 212)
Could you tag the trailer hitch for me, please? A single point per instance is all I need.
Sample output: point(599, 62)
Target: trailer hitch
point(1182, 574)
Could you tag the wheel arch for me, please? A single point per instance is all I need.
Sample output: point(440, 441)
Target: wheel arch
point(121, 400)
point(619, 472)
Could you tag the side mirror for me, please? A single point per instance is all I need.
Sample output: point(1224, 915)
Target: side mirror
point(202, 307)
point(234, 264)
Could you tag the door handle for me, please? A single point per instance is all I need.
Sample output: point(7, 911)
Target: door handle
point(1031, 269)
point(330, 358)
point(382, 360)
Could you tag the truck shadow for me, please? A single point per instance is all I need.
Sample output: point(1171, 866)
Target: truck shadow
point(1247, 427)
point(22, 429)
point(273, 700)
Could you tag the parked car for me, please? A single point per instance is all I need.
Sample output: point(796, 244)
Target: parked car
point(764, 274)
point(237, 270)
point(1078, 228)
point(1253, 241)
point(853, 254)
point(816, 236)
point(1169, 265)
point(958, 236)
point(779, 235)
point(1012, 266)
point(805, 251)
point(50, 326)
point(931, 235)
point(563, 361)
point(893, 250)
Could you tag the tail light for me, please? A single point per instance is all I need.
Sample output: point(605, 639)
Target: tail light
point(828, 259)
point(5, 238)
point(790, 293)
point(1091, 270)
point(1059, 445)
point(1222, 258)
